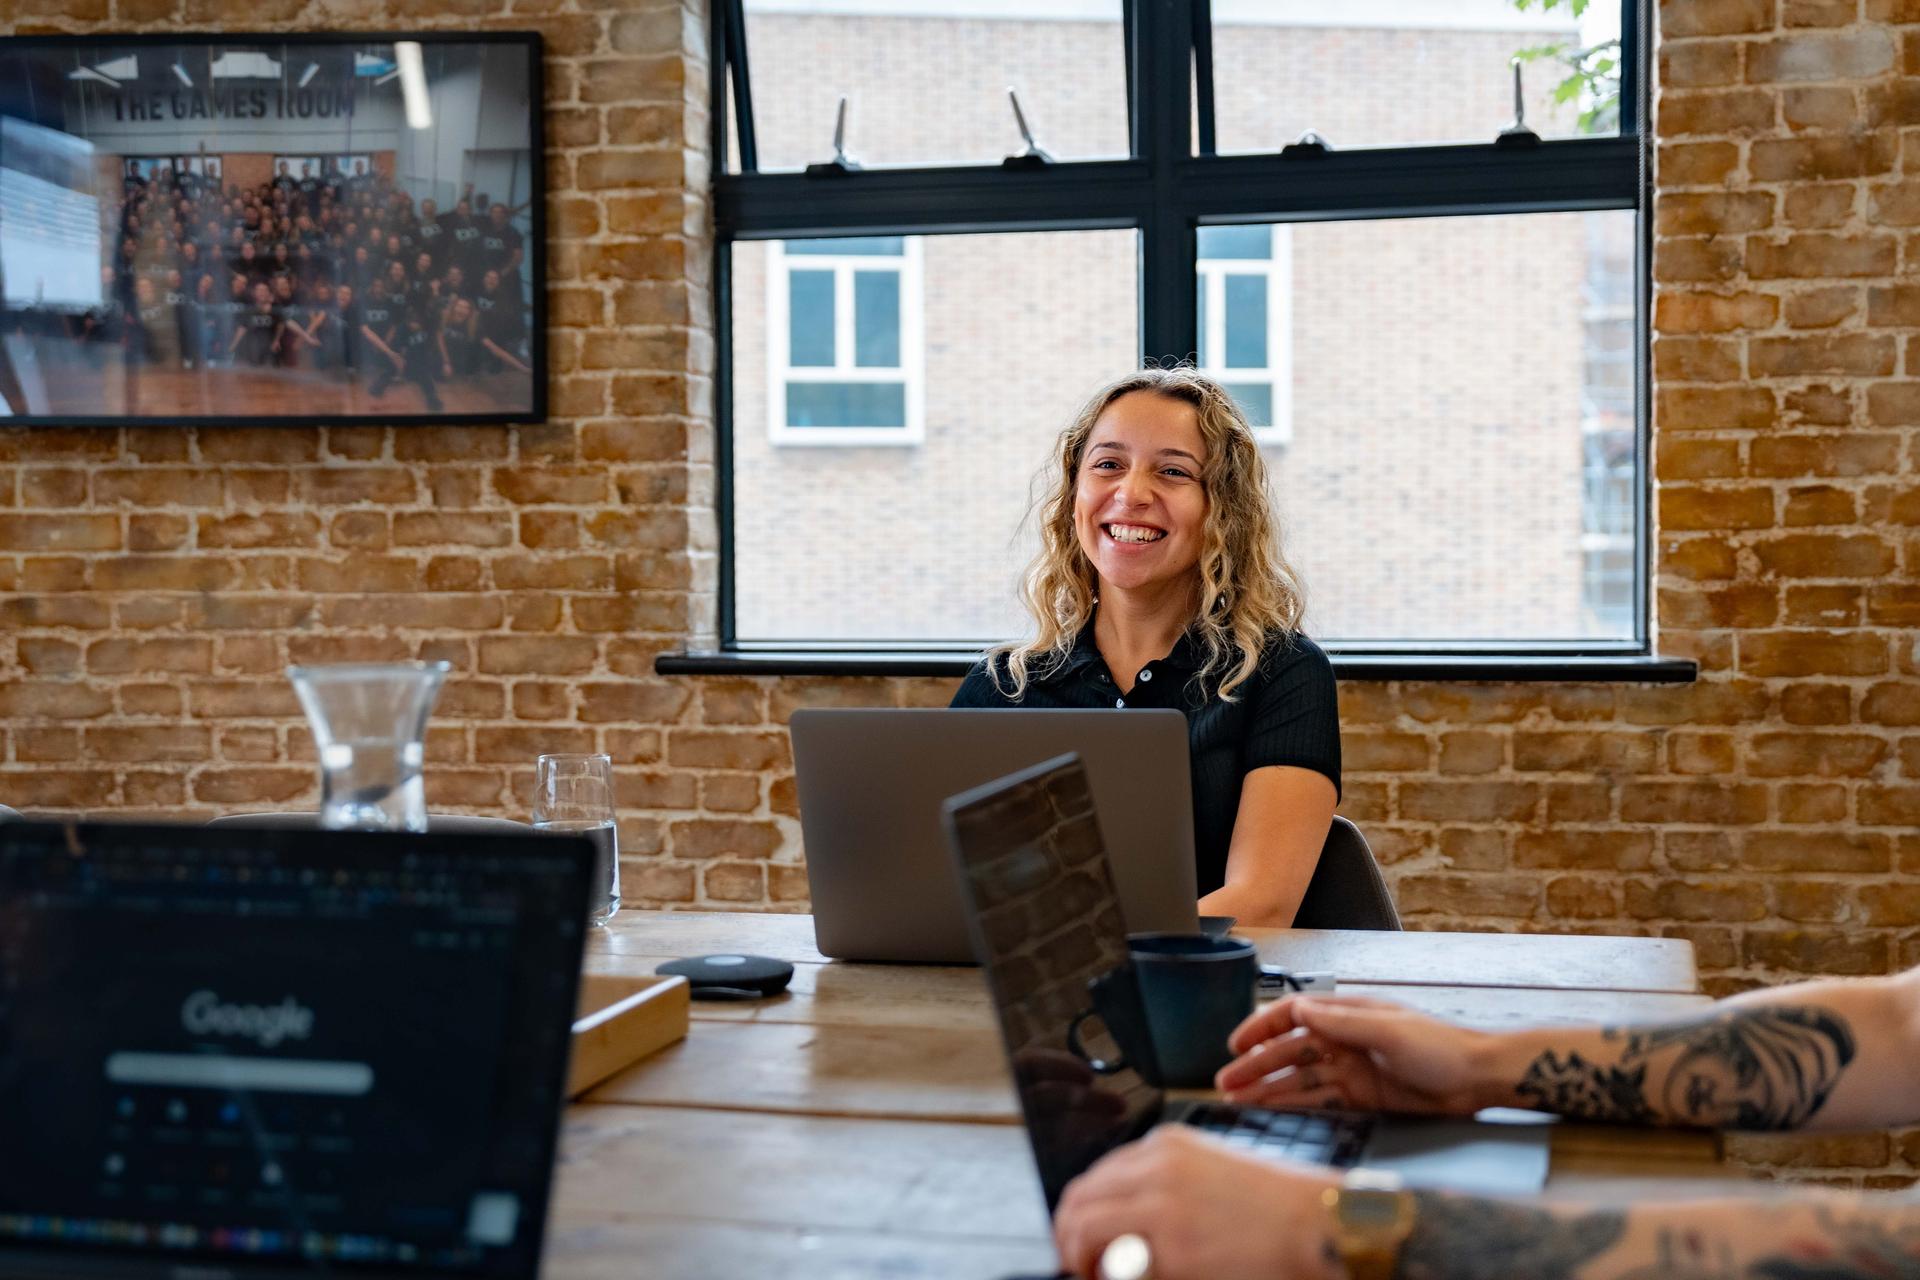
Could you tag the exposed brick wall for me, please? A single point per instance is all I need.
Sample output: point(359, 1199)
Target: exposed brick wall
point(1784, 419)
point(154, 582)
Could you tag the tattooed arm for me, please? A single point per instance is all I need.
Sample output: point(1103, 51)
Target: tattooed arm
point(1828, 1055)
point(1833, 1055)
point(1211, 1212)
point(1809, 1236)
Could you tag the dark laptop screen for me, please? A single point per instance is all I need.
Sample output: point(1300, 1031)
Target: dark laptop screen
point(225, 1050)
point(1048, 933)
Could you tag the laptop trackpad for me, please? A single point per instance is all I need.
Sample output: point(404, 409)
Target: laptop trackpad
point(1463, 1155)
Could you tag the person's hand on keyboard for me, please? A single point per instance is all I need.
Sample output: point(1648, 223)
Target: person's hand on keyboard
point(1205, 1210)
point(1354, 1053)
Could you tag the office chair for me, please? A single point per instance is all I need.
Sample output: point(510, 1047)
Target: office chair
point(1347, 890)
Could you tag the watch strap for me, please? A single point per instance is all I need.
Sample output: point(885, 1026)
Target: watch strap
point(1368, 1245)
point(1370, 1262)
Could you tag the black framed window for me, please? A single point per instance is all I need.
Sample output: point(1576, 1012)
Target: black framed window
point(1439, 340)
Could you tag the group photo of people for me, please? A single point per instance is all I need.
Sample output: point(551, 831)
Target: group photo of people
point(179, 242)
point(317, 269)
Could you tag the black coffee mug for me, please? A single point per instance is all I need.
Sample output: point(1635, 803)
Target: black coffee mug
point(1116, 1002)
point(1195, 990)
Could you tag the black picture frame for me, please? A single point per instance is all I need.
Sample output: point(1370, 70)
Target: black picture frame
point(15, 86)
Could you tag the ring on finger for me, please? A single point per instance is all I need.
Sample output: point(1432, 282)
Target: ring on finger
point(1126, 1258)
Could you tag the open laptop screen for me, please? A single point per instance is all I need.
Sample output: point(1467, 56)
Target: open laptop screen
point(281, 1050)
point(1048, 933)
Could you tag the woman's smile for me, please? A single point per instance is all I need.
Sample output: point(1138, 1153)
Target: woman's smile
point(1133, 534)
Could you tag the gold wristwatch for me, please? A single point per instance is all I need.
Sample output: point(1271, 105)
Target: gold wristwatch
point(1372, 1215)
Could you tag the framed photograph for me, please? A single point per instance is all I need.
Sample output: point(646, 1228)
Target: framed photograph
point(298, 229)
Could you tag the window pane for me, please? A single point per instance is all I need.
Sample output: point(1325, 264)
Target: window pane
point(923, 541)
point(865, 246)
point(1255, 400)
point(1367, 74)
point(876, 319)
point(1610, 588)
point(1236, 242)
point(932, 88)
point(1201, 285)
point(1607, 419)
point(1442, 481)
point(846, 404)
point(1246, 322)
point(810, 318)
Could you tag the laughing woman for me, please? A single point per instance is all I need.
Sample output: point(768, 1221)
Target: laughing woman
point(1160, 583)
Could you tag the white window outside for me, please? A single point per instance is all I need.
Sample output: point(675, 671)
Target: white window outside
point(846, 342)
point(1610, 471)
point(1607, 529)
point(1245, 295)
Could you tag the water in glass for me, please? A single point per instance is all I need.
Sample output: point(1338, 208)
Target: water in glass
point(573, 795)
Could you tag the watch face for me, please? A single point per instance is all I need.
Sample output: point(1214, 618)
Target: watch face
point(1369, 1210)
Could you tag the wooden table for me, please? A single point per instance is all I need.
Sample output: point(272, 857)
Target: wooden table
point(864, 1124)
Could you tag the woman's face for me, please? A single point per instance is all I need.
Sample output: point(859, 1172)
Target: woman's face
point(1139, 507)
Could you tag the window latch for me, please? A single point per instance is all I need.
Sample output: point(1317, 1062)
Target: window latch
point(842, 163)
point(1517, 134)
point(1306, 145)
point(1033, 155)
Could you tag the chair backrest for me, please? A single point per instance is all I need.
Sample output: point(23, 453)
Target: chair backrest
point(444, 823)
point(1347, 890)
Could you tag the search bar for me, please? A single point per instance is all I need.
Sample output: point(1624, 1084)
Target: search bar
point(223, 1071)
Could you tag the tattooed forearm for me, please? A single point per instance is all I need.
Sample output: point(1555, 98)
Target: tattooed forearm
point(1456, 1236)
point(1784, 1238)
point(1846, 1246)
point(1766, 1067)
point(1835, 1246)
point(1576, 1087)
point(1770, 1067)
point(1687, 1255)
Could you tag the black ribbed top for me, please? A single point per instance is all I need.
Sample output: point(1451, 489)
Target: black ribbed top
point(1288, 713)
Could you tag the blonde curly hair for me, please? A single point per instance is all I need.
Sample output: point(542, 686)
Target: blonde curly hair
point(1250, 588)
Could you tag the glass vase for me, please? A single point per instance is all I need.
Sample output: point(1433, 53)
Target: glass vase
point(369, 728)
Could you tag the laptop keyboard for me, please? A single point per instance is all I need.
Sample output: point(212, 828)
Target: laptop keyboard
point(1316, 1137)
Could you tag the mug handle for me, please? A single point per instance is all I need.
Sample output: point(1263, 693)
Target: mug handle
point(1100, 1066)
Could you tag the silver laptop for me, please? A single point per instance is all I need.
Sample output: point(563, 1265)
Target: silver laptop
point(871, 783)
point(1043, 921)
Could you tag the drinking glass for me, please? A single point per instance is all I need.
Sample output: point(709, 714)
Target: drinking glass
point(574, 794)
point(369, 728)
